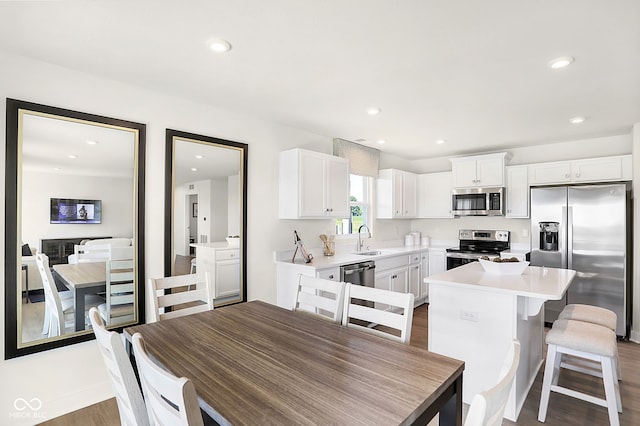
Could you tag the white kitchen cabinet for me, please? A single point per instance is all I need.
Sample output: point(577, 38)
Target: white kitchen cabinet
point(517, 192)
point(415, 277)
point(396, 193)
point(332, 274)
point(603, 169)
point(437, 261)
point(223, 265)
point(434, 195)
point(478, 170)
point(392, 273)
point(424, 273)
point(313, 185)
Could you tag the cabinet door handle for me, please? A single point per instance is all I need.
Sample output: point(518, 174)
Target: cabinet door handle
point(577, 174)
point(331, 276)
point(567, 175)
point(394, 276)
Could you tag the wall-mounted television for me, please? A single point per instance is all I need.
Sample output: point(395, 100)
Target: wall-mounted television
point(71, 210)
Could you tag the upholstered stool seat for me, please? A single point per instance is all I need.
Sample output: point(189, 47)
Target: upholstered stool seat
point(595, 315)
point(589, 313)
point(588, 341)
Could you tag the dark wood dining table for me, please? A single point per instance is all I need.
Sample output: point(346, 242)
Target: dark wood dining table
point(82, 279)
point(256, 363)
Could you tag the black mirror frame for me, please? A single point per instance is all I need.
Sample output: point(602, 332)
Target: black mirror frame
point(168, 199)
point(11, 216)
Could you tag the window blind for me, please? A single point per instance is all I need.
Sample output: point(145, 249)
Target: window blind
point(364, 161)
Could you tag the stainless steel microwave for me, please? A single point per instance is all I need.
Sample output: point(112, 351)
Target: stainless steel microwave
point(478, 201)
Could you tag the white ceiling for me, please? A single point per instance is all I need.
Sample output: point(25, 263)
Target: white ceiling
point(472, 72)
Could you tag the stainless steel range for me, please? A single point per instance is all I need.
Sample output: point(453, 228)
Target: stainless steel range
point(473, 244)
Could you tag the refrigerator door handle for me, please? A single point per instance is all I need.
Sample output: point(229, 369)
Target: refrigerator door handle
point(569, 237)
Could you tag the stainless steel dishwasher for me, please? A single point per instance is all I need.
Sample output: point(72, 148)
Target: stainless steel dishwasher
point(361, 273)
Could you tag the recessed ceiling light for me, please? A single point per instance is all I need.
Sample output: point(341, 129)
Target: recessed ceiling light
point(193, 169)
point(199, 157)
point(381, 141)
point(577, 120)
point(57, 169)
point(219, 45)
point(561, 62)
point(373, 111)
point(92, 143)
point(72, 156)
point(440, 141)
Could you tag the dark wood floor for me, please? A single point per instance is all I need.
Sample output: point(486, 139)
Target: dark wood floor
point(563, 410)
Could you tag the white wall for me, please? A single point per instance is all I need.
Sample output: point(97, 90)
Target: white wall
point(219, 209)
point(116, 195)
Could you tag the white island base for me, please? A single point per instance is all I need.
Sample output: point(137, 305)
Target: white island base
point(474, 316)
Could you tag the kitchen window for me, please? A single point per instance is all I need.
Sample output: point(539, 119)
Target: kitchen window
point(360, 206)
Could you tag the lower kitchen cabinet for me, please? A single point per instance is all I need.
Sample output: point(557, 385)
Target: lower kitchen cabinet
point(223, 265)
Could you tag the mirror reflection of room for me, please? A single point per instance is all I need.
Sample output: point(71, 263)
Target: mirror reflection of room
point(207, 213)
point(76, 199)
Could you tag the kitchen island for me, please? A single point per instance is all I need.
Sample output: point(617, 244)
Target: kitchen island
point(474, 316)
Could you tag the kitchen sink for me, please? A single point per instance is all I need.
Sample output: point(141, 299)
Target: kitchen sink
point(370, 253)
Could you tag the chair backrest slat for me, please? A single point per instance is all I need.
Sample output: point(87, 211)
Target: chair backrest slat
point(180, 295)
point(320, 296)
point(360, 305)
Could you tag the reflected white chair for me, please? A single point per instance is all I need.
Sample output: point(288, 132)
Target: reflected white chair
point(487, 407)
point(180, 295)
point(120, 292)
point(170, 400)
point(360, 305)
point(90, 253)
point(131, 406)
point(58, 312)
point(320, 296)
point(59, 307)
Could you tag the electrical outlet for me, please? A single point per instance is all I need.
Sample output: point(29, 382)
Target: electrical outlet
point(469, 316)
point(525, 232)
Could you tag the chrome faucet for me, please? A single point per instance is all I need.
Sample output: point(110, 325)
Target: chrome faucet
point(360, 242)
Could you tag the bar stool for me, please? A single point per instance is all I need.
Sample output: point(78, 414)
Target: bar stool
point(595, 315)
point(193, 266)
point(584, 340)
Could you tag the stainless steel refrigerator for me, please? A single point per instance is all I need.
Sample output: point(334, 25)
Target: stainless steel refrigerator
point(587, 229)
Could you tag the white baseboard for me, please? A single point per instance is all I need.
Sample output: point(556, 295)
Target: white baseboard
point(634, 336)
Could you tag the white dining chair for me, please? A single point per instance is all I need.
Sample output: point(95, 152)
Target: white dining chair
point(180, 295)
point(170, 400)
point(58, 312)
point(320, 296)
point(90, 253)
point(487, 407)
point(395, 320)
point(131, 407)
point(120, 292)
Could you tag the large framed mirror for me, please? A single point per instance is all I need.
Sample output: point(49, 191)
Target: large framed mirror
point(206, 212)
point(74, 205)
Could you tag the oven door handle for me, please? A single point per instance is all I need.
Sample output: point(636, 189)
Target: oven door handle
point(466, 255)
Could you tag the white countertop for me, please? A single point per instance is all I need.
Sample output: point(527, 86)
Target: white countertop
point(536, 282)
point(345, 258)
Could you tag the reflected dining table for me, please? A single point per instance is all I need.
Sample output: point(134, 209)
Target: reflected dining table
point(256, 363)
point(82, 279)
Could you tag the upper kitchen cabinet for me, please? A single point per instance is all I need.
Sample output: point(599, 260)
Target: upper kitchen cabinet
point(434, 195)
point(478, 170)
point(603, 169)
point(313, 185)
point(517, 192)
point(396, 194)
